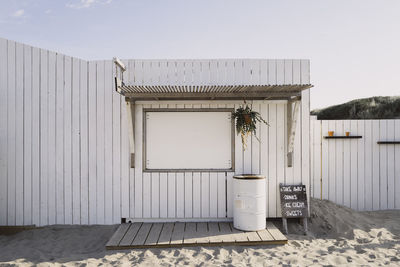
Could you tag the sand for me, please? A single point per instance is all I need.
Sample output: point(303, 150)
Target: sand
point(337, 236)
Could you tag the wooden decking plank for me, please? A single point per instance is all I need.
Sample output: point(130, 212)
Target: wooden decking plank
point(118, 235)
point(265, 235)
point(276, 234)
point(142, 234)
point(177, 234)
point(253, 236)
point(189, 236)
point(154, 234)
point(130, 234)
point(202, 233)
point(238, 235)
point(213, 230)
point(150, 235)
point(166, 233)
point(227, 235)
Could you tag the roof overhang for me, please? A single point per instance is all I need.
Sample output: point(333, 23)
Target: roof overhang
point(217, 92)
point(222, 79)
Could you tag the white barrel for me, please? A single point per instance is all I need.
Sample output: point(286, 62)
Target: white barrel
point(249, 202)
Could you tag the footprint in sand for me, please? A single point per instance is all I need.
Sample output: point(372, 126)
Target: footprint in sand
point(372, 256)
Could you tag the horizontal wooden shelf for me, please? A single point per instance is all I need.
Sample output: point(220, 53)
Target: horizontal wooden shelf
point(388, 142)
point(343, 137)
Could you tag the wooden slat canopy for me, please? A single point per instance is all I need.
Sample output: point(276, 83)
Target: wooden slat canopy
point(151, 92)
point(212, 79)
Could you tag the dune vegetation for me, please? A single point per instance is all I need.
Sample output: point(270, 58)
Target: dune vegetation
point(377, 107)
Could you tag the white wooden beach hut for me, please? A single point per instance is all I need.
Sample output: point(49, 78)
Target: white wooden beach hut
point(74, 151)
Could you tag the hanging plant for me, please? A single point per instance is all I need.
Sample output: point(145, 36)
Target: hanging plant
point(246, 123)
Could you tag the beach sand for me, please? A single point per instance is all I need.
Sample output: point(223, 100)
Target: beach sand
point(337, 236)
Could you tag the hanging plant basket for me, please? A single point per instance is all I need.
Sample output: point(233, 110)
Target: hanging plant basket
point(246, 121)
point(247, 118)
point(248, 216)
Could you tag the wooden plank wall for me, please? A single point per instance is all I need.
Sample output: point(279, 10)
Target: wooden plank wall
point(64, 147)
point(217, 72)
point(357, 173)
point(204, 194)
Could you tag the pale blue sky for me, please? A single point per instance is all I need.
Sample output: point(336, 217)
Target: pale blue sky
point(353, 45)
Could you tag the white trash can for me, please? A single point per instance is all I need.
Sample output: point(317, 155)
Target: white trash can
point(249, 202)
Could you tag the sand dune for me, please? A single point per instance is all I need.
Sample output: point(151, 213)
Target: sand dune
point(337, 236)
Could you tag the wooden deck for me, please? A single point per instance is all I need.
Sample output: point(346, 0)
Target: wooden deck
point(180, 234)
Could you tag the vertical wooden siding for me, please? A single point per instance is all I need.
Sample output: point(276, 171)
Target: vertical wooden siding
point(64, 147)
point(208, 194)
point(217, 72)
point(357, 173)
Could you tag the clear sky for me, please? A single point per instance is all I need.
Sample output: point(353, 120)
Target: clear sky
point(353, 45)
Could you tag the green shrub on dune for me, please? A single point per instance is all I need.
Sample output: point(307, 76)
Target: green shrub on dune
point(377, 107)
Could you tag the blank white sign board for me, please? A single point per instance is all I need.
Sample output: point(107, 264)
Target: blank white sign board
point(188, 140)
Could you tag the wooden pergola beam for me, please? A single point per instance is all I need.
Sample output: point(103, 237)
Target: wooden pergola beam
point(211, 95)
point(131, 125)
point(292, 114)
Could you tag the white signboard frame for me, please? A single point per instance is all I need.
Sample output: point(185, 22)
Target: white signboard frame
point(188, 140)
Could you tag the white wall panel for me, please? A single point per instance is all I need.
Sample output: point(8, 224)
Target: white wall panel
point(59, 139)
point(304, 148)
point(180, 195)
point(354, 167)
point(361, 166)
point(108, 144)
point(366, 173)
point(338, 179)
point(11, 134)
point(163, 195)
point(75, 139)
point(138, 181)
point(188, 181)
point(171, 195)
point(346, 168)
point(51, 191)
point(92, 183)
point(272, 161)
point(368, 164)
point(27, 134)
point(68, 140)
point(391, 182)
point(64, 147)
point(19, 134)
point(100, 130)
point(84, 141)
point(397, 166)
point(196, 195)
point(3, 131)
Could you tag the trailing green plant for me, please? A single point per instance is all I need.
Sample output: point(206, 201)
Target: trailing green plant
point(246, 121)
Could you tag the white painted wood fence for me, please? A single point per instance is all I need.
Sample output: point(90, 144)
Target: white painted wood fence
point(357, 173)
point(64, 149)
point(217, 72)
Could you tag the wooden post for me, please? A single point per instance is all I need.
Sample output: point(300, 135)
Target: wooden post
point(305, 225)
point(291, 128)
point(131, 125)
point(285, 228)
point(289, 125)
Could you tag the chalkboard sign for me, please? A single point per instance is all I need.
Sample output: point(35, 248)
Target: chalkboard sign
point(293, 201)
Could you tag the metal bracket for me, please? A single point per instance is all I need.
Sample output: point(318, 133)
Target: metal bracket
point(119, 63)
point(119, 69)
